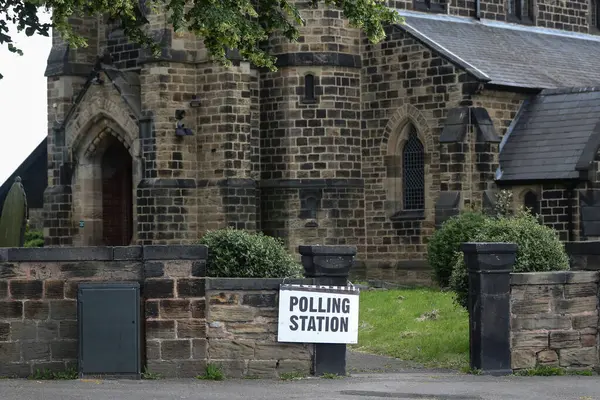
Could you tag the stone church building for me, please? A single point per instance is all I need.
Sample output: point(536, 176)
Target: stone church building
point(347, 143)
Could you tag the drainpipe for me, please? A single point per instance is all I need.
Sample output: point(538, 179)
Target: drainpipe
point(478, 9)
point(571, 196)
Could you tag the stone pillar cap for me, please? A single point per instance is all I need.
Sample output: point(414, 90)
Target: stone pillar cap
point(317, 250)
point(489, 248)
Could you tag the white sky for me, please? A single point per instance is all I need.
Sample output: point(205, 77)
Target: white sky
point(23, 113)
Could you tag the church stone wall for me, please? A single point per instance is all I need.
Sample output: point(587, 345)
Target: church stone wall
point(573, 15)
point(502, 107)
point(403, 81)
point(311, 184)
point(266, 156)
point(227, 145)
point(557, 204)
point(66, 73)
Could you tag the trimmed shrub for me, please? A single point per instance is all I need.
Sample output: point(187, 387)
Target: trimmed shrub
point(240, 254)
point(446, 241)
point(539, 249)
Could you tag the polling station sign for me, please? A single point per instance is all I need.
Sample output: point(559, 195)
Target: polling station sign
point(318, 314)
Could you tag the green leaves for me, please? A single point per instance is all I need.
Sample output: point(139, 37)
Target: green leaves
point(446, 241)
point(240, 254)
point(244, 25)
point(23, 14)
point(539, 248)
point(367, 15)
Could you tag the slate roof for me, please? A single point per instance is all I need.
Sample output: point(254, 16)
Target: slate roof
point(510, 54)
point(33, 181)
point(555, 135)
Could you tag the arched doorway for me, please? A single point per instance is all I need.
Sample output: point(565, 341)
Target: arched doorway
point(107, 169)
point(117, 194)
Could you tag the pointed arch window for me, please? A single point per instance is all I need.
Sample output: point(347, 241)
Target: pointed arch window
point(435, 6)
point(520, 11)
point(594, 15)
point(309, 89)
point(530, 201)
point(413, 172)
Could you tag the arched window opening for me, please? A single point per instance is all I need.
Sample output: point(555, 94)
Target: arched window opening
point(595, 14)
point(413, 168)
point(530, 201)
point(309, 88)
point(520, 10)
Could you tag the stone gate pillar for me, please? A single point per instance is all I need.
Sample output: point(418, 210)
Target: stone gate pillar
point(489, 266)
point(329, 266)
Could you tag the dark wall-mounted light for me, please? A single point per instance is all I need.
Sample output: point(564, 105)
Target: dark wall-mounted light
point(195, 102)
point(180, 129)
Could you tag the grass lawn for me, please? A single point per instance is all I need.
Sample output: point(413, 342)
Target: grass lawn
point(420, 325)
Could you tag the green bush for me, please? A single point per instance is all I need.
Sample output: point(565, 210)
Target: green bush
point(539, 249)
point(33, 238)
point(446, 241)
point(240, 254)
point(459, 281)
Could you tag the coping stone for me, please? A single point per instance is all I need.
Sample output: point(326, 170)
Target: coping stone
point(252, 283)
point(175, 252)
point(95, 253)
point(127, 253)
point(318, 250)
point(488, 248)
point(553, 277)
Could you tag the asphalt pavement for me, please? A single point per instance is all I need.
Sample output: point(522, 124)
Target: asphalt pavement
point(403, 385)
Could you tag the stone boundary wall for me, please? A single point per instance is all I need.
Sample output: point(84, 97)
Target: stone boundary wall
point(189, 320)
point(554, 319)
point(38, 299)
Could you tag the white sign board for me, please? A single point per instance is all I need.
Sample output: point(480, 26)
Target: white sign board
point(318, 314)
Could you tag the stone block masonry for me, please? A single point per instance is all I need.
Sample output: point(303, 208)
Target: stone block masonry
point(418, 92)
point(38, 303)
point(242, 330)
point(554, 319)
point(175, 311)
point(189, 320)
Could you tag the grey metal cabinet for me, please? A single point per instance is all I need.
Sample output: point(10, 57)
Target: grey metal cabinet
point(109, 329)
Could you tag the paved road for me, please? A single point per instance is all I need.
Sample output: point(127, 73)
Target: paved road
point(403, 386)
point(358, 362)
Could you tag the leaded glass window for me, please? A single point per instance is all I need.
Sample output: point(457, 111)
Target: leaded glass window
point(413, 172)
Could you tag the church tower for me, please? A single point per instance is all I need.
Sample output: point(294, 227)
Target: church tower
point(310, 146)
